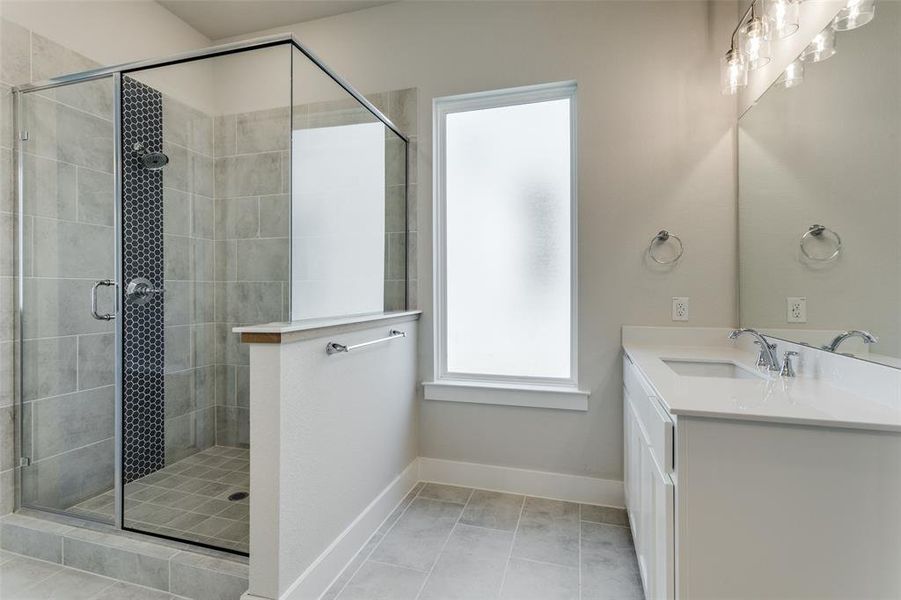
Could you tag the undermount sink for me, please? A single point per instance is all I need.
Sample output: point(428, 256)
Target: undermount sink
point(699, 368)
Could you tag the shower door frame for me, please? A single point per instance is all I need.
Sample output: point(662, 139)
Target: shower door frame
point(116, 72)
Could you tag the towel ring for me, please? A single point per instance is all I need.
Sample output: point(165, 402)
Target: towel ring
point(817, 231)
point(663, 236)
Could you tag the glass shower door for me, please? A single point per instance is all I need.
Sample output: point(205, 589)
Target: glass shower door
point(66, 262)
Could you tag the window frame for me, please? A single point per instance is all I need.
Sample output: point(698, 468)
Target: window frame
point(442, 107)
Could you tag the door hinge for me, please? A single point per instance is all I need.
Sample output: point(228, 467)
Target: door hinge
point(23, 135)
point(24, 461)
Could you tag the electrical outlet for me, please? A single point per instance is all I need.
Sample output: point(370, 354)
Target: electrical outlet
point(680, 309)
point(797, 310)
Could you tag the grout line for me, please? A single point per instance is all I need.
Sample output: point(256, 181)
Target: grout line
point(512, 545)
point(580, 551)
point(446, 540)
point(374, 548)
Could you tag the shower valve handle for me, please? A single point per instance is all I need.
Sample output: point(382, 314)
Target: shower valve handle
point(140, 290)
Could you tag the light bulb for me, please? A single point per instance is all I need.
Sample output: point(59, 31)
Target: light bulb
point(792, 76)
point(733, 72)
point(783, 16)
point(856, 13)
point(821, 47)
point(755, 42)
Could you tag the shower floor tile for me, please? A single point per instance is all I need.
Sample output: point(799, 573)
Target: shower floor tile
point(187, 500)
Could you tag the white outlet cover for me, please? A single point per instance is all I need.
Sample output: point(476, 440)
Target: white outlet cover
point(680, 308)
point(796, 309)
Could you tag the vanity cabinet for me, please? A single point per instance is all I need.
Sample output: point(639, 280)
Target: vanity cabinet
point(727, 503)
point(648, 482)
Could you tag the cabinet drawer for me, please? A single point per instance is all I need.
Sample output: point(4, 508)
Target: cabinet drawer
point(655, 422)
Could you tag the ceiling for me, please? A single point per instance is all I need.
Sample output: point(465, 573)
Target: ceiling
point(219, 19)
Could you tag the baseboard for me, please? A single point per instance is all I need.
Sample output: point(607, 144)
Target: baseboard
point(559, 486)
point(317, 578)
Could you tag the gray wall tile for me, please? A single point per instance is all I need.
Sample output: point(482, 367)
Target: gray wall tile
point(187, 127)
point(275, 215)
point(69, 478)
point(50, 367)
point(178, 257)
point(64, 249)
point(249, 175)
point(177, 211)
point(96, 202)
point(50, 189)
point(224, 135)
point(263, 260)
point(69, 422)
point(96, 360)
point(60, 307)
point(263, 131)
point(237, 218)
point(63, 133)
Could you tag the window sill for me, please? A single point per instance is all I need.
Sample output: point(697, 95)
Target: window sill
point(560, 398)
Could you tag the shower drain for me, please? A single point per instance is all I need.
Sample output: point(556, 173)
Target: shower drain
point(238, 496)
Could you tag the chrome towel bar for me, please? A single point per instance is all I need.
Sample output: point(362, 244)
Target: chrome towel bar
point(336, 348)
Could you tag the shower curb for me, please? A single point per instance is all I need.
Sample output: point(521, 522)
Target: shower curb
point(133, 559)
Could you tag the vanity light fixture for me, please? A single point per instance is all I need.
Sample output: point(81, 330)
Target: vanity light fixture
point(821, 47)
point(856, 13)
point(792, 76)
point(755, 41)
point(784, 16)
point(733, 72)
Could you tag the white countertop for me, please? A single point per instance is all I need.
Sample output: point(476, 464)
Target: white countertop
point(800, 400)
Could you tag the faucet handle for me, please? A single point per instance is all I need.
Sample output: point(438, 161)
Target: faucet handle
point(788, 370)
point(762, 357)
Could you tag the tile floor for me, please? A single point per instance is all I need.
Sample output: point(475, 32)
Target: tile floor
point(448, 542)
point(23, 578)
point(187, 500)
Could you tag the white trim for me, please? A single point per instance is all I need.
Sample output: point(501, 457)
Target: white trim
point(543, 484)
point(476, 392)
point(441, 107)
point(319, 576)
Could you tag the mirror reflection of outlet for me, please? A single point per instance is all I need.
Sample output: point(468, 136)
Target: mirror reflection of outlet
point(797, 310)
point(680, 309)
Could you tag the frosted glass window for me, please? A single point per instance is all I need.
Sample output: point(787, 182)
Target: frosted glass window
point(508, 239)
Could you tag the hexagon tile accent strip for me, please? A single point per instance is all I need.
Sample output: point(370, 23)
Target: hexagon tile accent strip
point(143, 439)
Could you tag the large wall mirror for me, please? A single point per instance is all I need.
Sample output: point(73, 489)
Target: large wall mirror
point(820, 196)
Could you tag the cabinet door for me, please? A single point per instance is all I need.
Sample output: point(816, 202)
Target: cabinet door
point(662, 547)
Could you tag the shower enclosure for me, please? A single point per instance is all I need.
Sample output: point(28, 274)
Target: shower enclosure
point(161, 204)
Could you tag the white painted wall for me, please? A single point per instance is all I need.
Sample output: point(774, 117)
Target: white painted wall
point(827, 152)
point(113, 32)
point(656, 150)
point(329, 433)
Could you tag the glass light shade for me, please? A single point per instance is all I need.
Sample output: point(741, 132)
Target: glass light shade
point(792, 76)
point(755, 42)
point(783, 16)
point(856, 13)
point(733, 72)
point(821, 47)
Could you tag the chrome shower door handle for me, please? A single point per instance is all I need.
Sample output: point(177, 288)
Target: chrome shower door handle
point(94, 313)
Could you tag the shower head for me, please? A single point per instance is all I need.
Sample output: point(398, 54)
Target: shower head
point(151, 160)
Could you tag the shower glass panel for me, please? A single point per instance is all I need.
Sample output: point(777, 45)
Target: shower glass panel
point(67, 244)
point(348, 194)
point(161, 206)
point(209, 229)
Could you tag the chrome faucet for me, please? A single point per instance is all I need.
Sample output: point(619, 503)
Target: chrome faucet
point(767, 351)
point(866, 336)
